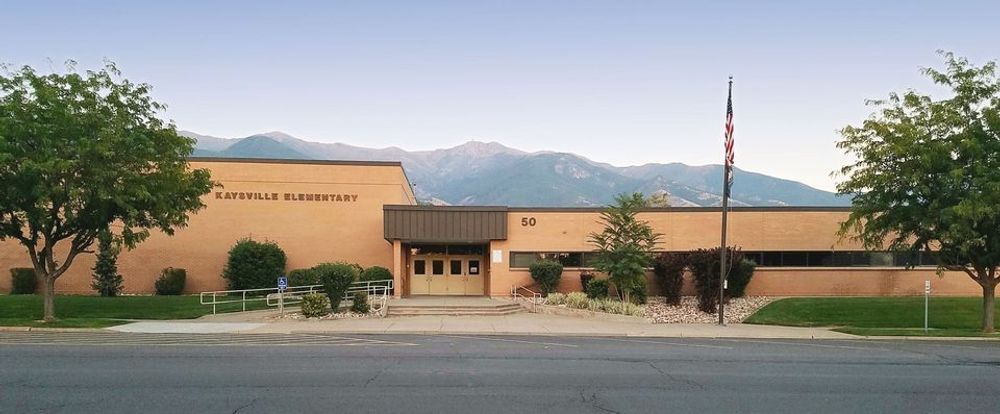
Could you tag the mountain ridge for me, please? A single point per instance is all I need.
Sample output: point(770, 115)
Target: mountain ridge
point(478, 172)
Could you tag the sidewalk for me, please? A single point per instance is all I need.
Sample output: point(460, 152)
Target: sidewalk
point(517, 324)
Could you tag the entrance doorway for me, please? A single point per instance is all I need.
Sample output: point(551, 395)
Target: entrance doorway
point(447, 270)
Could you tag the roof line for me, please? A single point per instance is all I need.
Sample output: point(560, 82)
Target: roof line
point(290, 161)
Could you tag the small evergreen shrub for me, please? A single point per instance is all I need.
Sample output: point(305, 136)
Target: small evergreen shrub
point(375, 273)
point(254, 265)
point(555, 299)
point(577, 300)
point(302, 277)
point(585, 278)
point(171, 281)
point(669, 270)
point(106, 280)
point(638, 293)
point(360, 304)
point(546, 274)
point(597, 288)
point(315, 305)
point(739, 278)
point(704, 265)
point(23, 281)
point(336, 278)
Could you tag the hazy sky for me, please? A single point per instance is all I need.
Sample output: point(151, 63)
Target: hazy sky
point(625, 82)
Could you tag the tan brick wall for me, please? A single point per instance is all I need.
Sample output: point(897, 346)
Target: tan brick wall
point(310, 232)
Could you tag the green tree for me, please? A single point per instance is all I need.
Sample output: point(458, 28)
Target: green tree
point(107, 281)
point(80, 151)
point(625, 246)
point(927, 174)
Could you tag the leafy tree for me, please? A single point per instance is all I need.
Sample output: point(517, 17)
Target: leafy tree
point(107, 281)
point(927, 174)
point(80, 151)
point(625, 246)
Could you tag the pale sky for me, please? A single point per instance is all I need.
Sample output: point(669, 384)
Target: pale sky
point(624, 82)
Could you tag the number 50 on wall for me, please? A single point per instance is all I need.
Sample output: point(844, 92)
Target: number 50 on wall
point(528, 221)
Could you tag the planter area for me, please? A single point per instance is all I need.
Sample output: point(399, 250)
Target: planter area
point(737, 310)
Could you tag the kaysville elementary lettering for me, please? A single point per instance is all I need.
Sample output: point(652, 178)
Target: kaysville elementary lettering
point(267, 196)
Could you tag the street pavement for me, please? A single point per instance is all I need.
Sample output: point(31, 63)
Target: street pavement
point(110, 372)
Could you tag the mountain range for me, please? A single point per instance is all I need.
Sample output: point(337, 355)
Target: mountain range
point(489, 173)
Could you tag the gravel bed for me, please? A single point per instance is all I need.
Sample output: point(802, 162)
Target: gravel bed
point(339, 315)
point(737, 310)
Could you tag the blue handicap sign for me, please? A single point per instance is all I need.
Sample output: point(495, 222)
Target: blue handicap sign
point(282, 282)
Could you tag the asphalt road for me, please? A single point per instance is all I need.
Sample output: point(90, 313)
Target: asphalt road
point(466, 374)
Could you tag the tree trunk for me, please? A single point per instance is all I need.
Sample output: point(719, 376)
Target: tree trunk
point(989, 304)
point(49, 295)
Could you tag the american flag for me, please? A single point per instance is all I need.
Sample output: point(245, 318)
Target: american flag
point(729, 131)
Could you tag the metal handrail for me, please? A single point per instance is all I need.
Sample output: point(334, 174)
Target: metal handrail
point(515, 292)
point(293, 294)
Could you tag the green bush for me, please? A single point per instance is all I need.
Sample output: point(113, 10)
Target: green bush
point(739, 278)
point(598, 288)
point(336, 278)
point(577, 300)
point(302, 277)
point(669, 270)
point(375, 273)
point(171, 281)
point(106, 280)
point(616, 307)
point(254, 265)
point(638, 293)
point(555, 299)
point(315, 304)
point(546, 274)
point(585, 278)
point(23, 281)
point(705, 269)
point(360, 304)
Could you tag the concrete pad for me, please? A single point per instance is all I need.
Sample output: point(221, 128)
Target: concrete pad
point(185, 327)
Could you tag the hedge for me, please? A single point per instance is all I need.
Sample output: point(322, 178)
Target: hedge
point(669, 270)
point(254, 265)
point(546, 274)
point(171, 281)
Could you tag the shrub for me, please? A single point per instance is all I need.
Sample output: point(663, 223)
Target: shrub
point(315, 304)
point(302, 277)
point(638, 293)
point(739, 278)
point(577, 300)
point(705, 269)
point(254, 265)
point(546, 274)
point(555, 299)
point(336, 278)
point(23, 281)
point(375, 273)
point(597, 288)
point(585, 278)
point(669, 271)
point(171, 281)
point(106, 280)
point(360, 304)
point(616, 307)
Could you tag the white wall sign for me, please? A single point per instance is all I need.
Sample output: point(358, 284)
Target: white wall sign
point(498, 256)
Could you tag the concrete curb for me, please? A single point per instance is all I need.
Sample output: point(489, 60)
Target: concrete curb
point(44, 329)
point(550, 334)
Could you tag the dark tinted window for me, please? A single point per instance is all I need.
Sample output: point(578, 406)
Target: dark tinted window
point(437, 267)
point(419, 267)
point(794, 259)
point(565, 259)
point(474, 267)
point(456, 267)
point(471, 250)
point(770, 259)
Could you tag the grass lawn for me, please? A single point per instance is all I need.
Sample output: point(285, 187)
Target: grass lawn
point(98, 312)
point(872, 316)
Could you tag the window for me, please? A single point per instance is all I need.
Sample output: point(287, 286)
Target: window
point(794, 259)
point(526, 259)
point(522, 259)
point(419, 267)
point(437, 267)
point(473, 267)
point(456, 267)
point(467, 249)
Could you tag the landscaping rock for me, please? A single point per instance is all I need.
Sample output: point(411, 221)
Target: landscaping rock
point(737, 310)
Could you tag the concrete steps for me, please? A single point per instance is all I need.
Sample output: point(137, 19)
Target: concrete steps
point(486, 309)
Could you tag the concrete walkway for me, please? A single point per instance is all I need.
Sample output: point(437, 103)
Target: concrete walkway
point(516, 324)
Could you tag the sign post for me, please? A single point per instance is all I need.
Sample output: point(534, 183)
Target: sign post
point(282, 285)
point(927, 296)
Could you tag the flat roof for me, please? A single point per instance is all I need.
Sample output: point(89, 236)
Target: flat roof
point(288, 161)
point(831, 209)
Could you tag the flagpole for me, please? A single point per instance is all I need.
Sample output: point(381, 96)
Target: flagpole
point(725, 211)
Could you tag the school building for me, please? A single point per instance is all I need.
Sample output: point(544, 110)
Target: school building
point(366, 213)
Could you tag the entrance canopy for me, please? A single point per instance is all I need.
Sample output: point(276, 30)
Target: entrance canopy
point(444, 224)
